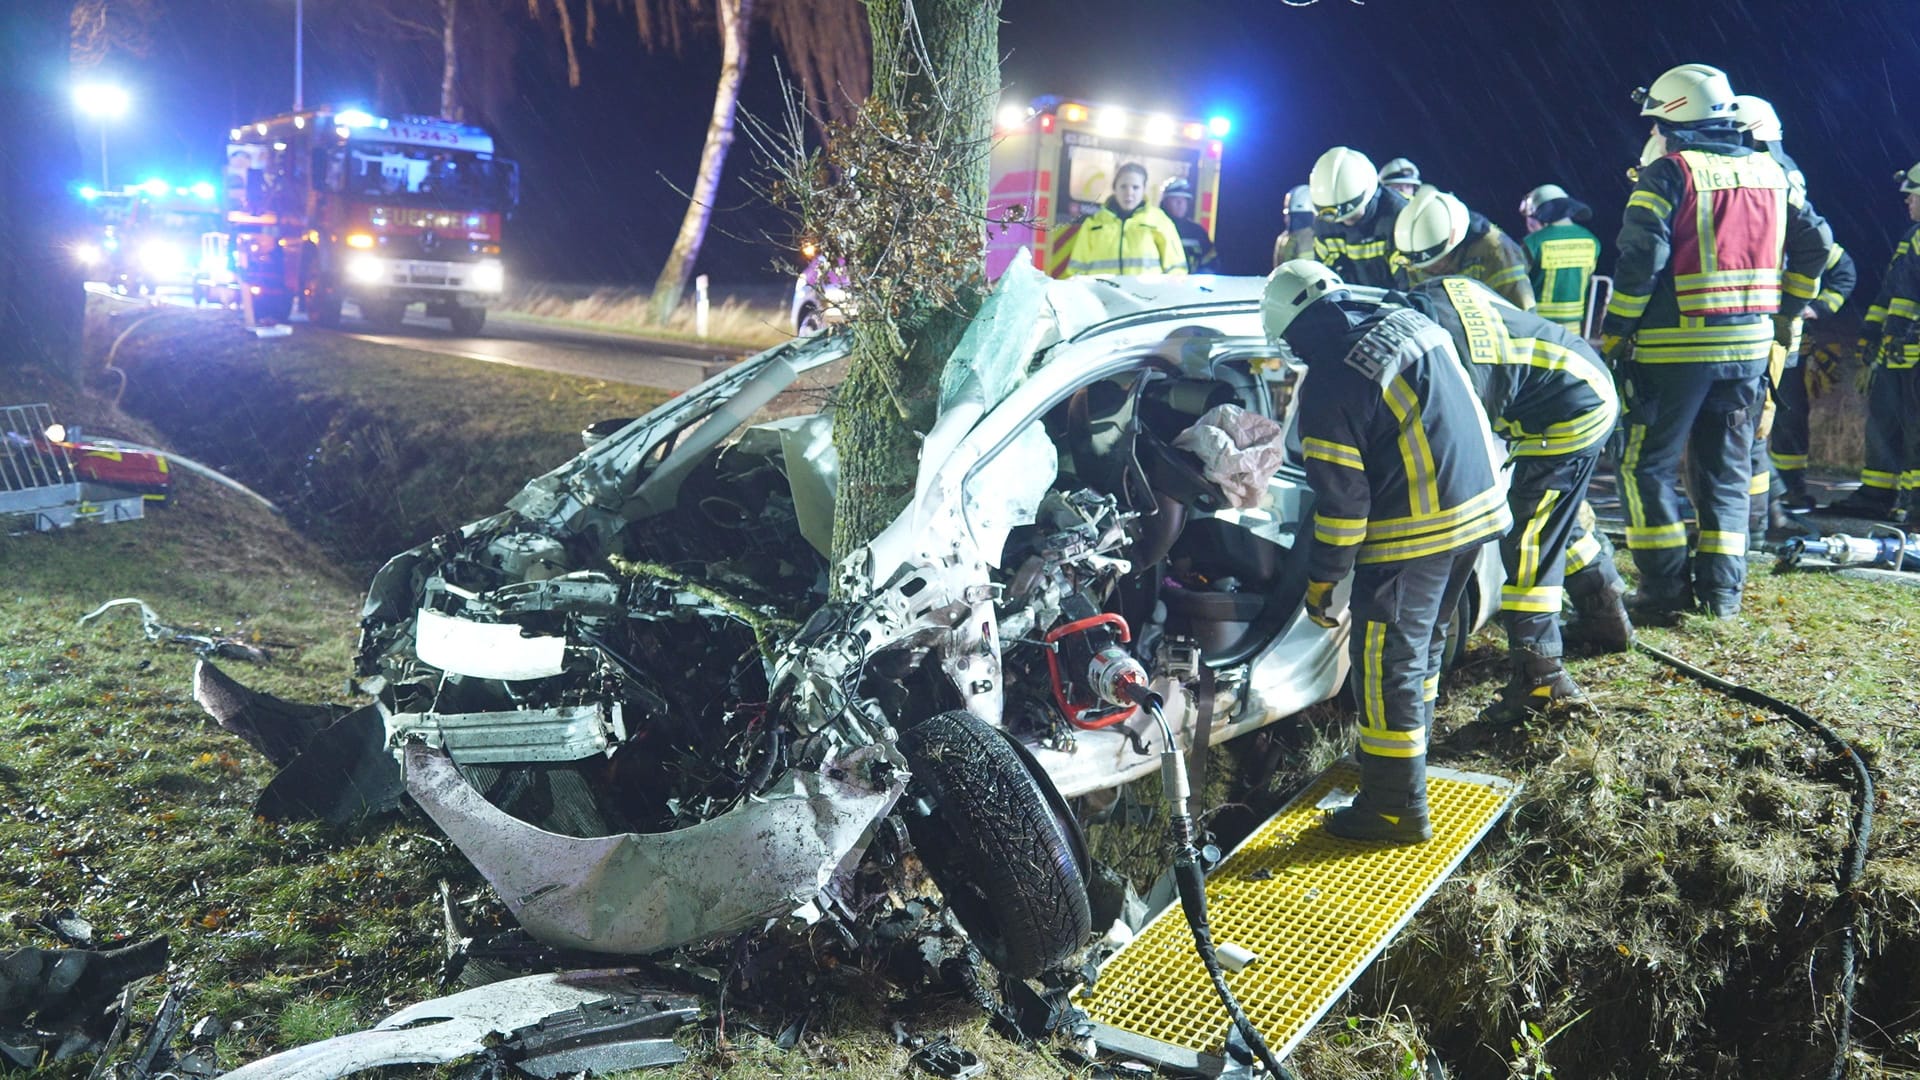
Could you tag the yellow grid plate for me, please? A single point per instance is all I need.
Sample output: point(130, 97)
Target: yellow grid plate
point(1314, 909)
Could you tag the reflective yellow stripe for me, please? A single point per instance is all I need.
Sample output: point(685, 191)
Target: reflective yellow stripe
point(1493, 524)
point(1334, 453)
point(1874, 478)
point(1651, 203)
point(1902, 308)
point(1423, 482)
point(1375, 250)
point(1381, 742)
point(1788, 462)
point(1340, 532)
point(1394, 528)
point(1528, 570)
point(1540, 598)
point(1430, 688)
point(1800, 285)
point(1630, 485)
point(1512, 275)
point(1652, 537)
point(1719, 542)
point(1373, 675)
point(1717, 278)
point(1832, 299)
point(1758, 484)
point(1582, 553)
point(1628, 307)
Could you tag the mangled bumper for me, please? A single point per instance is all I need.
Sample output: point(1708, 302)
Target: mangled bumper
point(635, 894)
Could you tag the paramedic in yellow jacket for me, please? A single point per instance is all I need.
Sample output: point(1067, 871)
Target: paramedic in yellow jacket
point(1126, 236)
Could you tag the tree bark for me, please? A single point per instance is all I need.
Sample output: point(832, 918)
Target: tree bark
point(41, 301)
point(450, 61)
point(891, 393)
point(736, 29)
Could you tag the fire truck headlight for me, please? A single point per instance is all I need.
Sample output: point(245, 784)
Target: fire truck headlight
point(488, 276)
point(367, 269)
point(86, 254)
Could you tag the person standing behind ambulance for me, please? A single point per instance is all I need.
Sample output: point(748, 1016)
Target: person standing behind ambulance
point(1126, 236)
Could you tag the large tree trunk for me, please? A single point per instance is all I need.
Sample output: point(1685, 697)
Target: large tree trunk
point(41, 302)
point(450, 61)
point(891, 393)
point(736, 27)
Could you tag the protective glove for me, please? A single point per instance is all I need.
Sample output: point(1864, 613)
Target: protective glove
point(1320, 605)
point(1821, 365)
point(1615, 348)
point(1786, 331)
point(1864, 378)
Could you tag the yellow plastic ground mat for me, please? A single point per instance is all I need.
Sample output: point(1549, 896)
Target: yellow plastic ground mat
point(1315, 910)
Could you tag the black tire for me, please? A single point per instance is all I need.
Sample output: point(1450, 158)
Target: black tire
point(467, 320)
point(1004, 852)
point(323, 309)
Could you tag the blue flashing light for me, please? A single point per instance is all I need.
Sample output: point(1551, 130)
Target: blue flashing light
point(355, 118)
point(156, 187)
point(1219, 126)
point(89, 193)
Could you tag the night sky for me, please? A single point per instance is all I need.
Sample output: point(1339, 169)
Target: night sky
point(1489, 97)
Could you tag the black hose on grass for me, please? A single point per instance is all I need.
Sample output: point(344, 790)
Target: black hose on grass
point(1856, 857)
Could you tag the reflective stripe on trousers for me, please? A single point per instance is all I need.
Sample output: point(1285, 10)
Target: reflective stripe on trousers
point(1400, 616)
point(1545, 497)
point(1893, 431)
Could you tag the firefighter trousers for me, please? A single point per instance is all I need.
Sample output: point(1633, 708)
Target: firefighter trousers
point(1893, 434)
point(1545, 497)
point(1791, 439)
point(1401, 611)
point(1682, 409)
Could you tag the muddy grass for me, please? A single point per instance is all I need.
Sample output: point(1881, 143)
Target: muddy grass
point(1659, 903)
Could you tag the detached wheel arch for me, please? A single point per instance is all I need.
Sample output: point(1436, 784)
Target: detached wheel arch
point(999, 841)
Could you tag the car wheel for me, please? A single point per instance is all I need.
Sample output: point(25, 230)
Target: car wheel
point(467, 320)
point(810, 321)
point(1461, 626)
point(1002, 850)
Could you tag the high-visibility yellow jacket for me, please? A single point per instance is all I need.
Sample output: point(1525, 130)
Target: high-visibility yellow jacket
point(1563, 257)
point(1397, 445)
point(1711, 247)
point(1143, 242)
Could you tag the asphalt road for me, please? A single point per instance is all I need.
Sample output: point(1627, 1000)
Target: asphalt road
point(614, 357)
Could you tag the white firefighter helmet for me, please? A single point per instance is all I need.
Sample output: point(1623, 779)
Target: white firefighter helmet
point(1292, 286)
point(1756, 117)
point(1400, 171)
point(1300, 200)
point(1909, 180)
point(1342, 183)
point(1685, 94)
point(1539, 197)
point(1433, 224)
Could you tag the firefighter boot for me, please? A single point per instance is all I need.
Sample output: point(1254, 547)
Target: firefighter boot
point(1780, 523)
point(1391, 807)
point(1600, 621)
point(1539, 685)
point(1660, 600)
point(1873, 504)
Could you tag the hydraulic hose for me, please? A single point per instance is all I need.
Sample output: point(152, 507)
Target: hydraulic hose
point(1856, 856)
point(1190, 880)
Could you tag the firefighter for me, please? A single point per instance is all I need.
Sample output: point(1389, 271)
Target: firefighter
point(1889, 352)
point(1761, 127)
point(1176, 201)
point(1800, 384)
point(1400, 459)
point(1551, 397)
point(1296, 242)
point(1440, 237)
point(1400, 176)
point(1126, 236)
point(1561, 254)
point(1353, 235)
point(1696, 285)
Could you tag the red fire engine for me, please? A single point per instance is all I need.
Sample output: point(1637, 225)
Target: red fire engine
point(330, 206)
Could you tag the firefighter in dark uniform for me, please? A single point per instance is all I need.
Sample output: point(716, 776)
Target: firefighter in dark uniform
point(1176, 201)
point(1792, 437)
point(1402, 464)
point(1760, 125)
point(1353, 235)
point(1890, 353)
point(1697, 285)
point(1440, 237)
point(1551, 397)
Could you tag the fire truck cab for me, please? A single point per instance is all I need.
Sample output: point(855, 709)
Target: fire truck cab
point(1053, 165)
point(329, 206)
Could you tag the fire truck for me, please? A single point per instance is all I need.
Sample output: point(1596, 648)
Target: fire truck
point(1053, 165)
point(328, 206)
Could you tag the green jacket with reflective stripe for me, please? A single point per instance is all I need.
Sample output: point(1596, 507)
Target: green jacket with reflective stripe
point(1399, 454)
point(1561, 260)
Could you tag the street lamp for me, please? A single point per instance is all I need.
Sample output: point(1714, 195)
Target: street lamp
point(103, 102)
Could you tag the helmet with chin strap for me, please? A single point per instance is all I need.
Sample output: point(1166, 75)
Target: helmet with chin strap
point(1342, 183)
point(1432, 225)
point(1687, 94)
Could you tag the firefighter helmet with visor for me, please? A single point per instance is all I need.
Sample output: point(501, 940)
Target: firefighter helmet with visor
point(1291, 288)
point(1432, 225)
point(1342, 183)
point(1687, 94)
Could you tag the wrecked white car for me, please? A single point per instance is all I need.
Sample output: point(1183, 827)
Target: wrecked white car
point(631, 703)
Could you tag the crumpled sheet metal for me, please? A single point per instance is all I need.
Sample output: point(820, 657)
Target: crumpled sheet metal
point(445, 1029)
point(1000, 339)
point(634, 894)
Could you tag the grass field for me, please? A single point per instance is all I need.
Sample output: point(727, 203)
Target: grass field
point(1656, 905)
